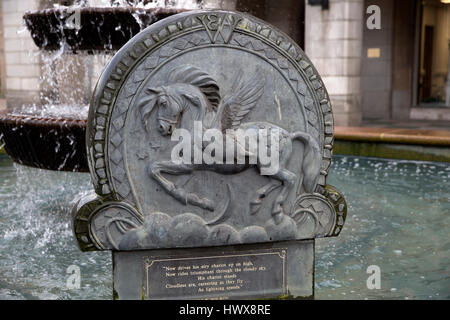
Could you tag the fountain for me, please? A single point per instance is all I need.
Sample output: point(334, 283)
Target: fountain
point(398, 212)
point(51, 135)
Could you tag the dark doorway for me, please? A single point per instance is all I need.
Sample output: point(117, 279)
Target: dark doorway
point(433, 70)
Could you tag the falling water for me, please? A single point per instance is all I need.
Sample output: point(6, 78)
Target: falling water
point(66, 84)
point(2, 143)
point(398, 218)
point(36, 241)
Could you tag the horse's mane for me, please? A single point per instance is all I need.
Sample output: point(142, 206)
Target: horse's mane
point(194, 76)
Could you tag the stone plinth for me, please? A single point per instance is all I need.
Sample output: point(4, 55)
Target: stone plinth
point(276, 270)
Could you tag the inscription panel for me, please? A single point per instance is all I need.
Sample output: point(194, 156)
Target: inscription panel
point(256, 273)
point(200, 71)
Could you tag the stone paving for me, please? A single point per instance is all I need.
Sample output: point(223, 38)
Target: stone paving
point(440, 137)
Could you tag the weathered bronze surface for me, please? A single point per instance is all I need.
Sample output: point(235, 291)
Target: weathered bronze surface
point(58, 144)
point(225, 70)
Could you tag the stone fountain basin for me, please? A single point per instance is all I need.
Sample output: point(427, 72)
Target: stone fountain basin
point(100, 29)
point(46, 143)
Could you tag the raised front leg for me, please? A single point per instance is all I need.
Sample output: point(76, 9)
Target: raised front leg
point(288, 180)
point(157, 168)
point(261, 193)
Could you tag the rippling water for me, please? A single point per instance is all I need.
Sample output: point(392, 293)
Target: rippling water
point(398, 219)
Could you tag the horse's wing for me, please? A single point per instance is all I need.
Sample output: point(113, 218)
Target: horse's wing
point(242, 101)
point(199, 78)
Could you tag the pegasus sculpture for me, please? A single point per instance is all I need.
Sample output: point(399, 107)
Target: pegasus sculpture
point(193, 95)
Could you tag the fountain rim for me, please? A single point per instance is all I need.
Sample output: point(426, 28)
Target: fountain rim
point(7, 115)
point(123, 53)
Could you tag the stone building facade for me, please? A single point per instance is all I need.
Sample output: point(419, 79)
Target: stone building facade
point(389, 73)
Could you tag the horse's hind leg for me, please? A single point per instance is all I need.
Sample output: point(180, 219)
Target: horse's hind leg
point(157, 168)
point(286, 177)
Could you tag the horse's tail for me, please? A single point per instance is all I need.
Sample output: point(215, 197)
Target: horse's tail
point(311, 160)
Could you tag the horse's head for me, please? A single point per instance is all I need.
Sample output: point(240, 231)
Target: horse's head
point(169, 104)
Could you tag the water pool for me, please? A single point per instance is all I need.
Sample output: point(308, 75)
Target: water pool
point(398, 219)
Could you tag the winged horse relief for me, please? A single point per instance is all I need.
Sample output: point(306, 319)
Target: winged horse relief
point(193, 94)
